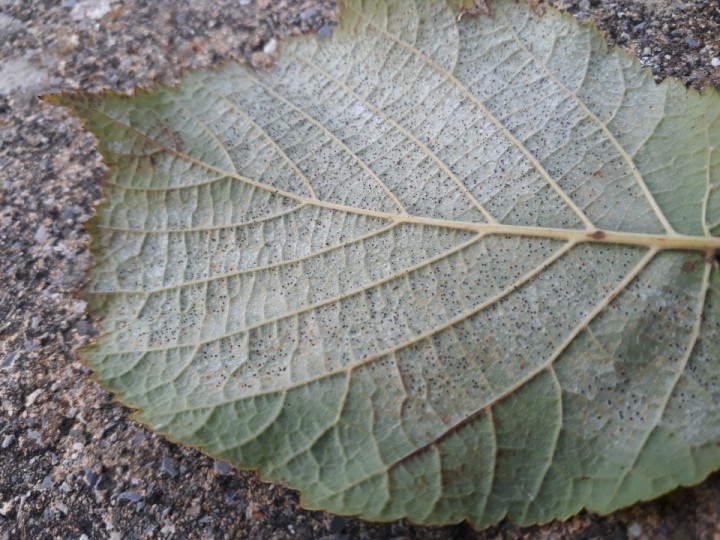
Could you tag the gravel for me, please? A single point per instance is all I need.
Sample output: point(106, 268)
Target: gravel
point(73, 464)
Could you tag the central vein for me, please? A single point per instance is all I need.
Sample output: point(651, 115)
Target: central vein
point(653, 241)
point(656, 241)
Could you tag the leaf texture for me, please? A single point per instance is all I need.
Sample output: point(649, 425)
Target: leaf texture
point(426, 269)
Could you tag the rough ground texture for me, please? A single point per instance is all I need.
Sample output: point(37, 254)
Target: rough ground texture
point(72, 464)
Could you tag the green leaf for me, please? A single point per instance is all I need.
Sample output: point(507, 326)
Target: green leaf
point(425, 269)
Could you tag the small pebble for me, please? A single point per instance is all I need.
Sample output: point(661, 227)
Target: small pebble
point(65, 487)
point(715, 62)
point(634, 530)
point(221, 467)
point(93, 10)
point(46, 483)
point(32, 397)
point(270, 47)
point(8, 360)
point(70, 213)
point(6, 508)
point(41, 234)
point(138, 438)
point(325, 31)
point(7, 441)
point(79, 306)
point(166, 466)
point(692, 42)
point(132, 496)
point(91, 478)
point(309, 13)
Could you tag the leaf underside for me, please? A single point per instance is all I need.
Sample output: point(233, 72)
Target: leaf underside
point(425, 269)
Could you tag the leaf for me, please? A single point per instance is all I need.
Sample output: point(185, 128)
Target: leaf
point(426, 269)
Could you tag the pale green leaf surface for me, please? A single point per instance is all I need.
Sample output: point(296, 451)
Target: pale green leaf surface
point(424, 269)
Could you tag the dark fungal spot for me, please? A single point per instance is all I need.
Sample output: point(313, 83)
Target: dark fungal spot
point(690, 265)
point(597, 235)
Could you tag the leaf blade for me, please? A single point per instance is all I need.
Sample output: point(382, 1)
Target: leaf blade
point(450, 300)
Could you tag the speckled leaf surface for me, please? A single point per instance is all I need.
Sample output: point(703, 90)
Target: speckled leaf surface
point(424, 269)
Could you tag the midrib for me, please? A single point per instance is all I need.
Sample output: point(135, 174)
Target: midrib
point(652, 241)
point(664, 241)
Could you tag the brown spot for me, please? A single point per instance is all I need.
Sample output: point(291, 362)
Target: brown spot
point(172, 135)
point(597, 235)
point(451, 477)
point(690, 265)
